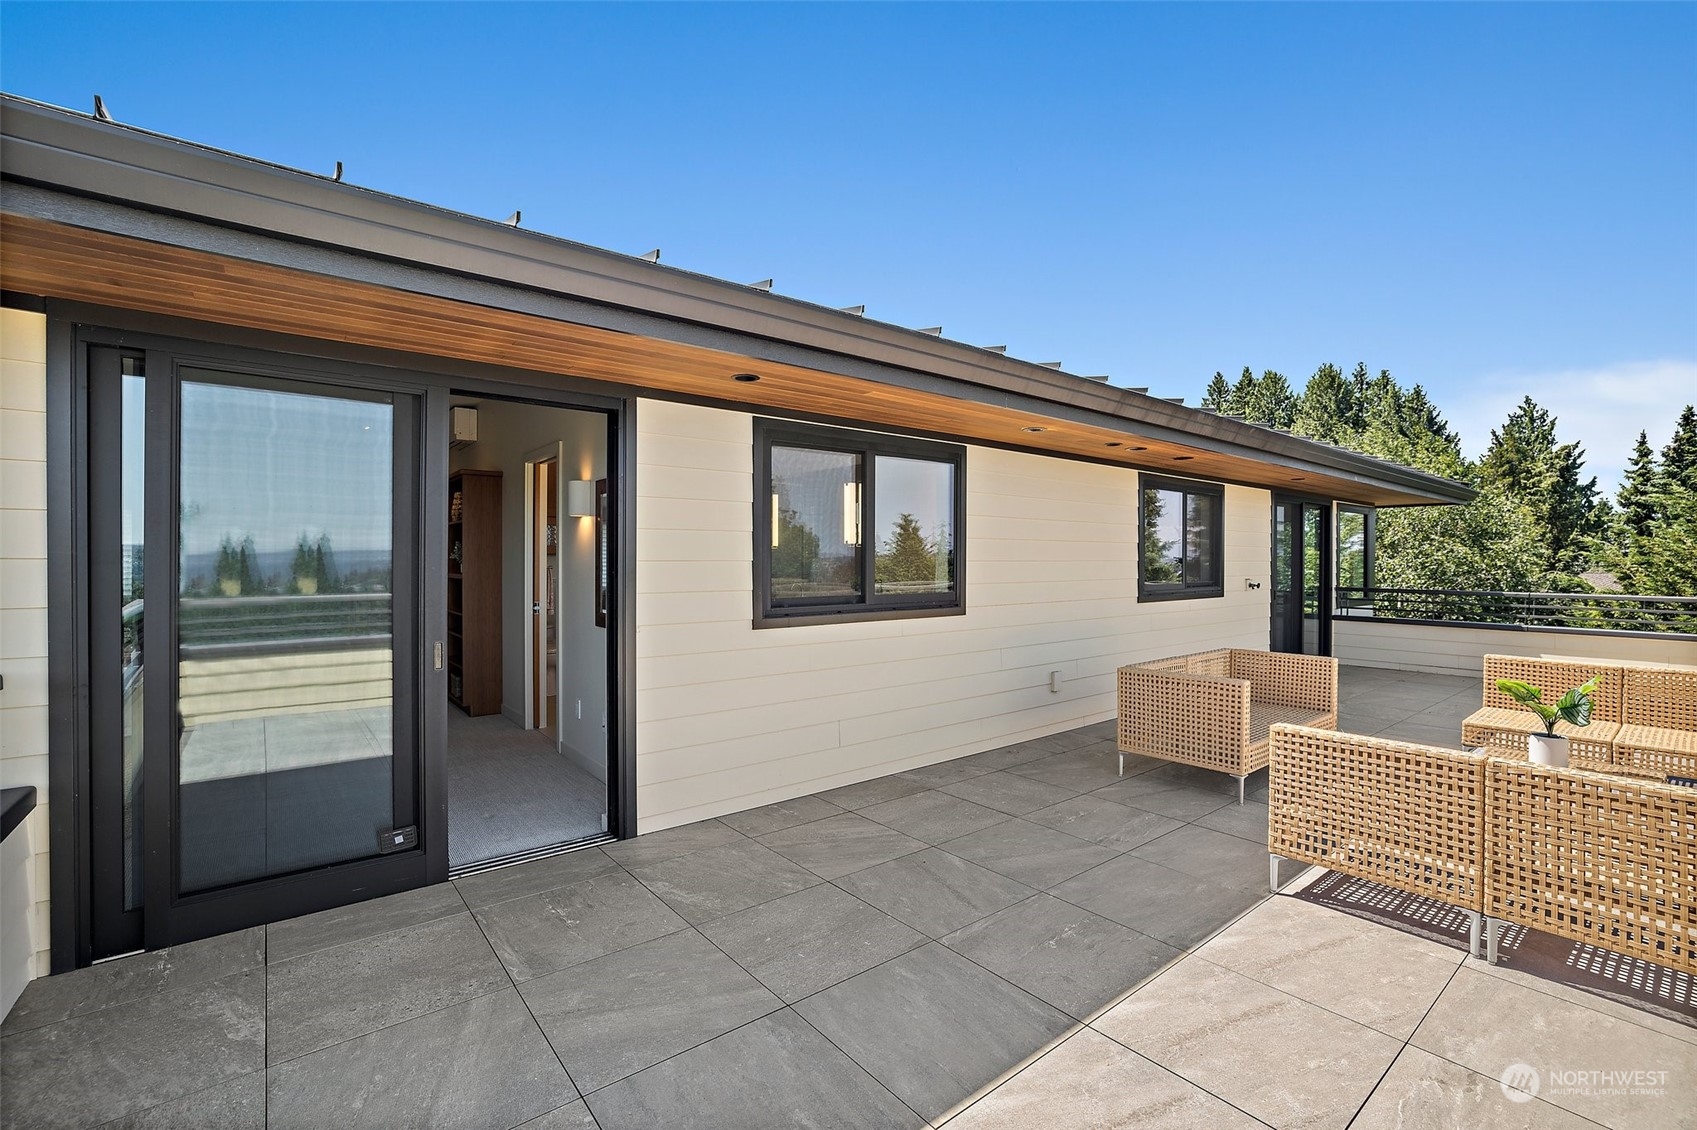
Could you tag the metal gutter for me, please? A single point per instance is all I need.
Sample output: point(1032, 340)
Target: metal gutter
point(369, 235)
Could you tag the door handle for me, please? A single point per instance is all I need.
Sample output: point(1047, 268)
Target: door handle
point(436, 654)
point(536, 608)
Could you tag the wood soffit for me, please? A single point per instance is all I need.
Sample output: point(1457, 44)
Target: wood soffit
point(54, 260)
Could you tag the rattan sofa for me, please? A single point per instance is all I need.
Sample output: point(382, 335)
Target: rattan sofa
point(1213, 709)
point(1603, 859)
point(1658, 725)
point(1403, 815)
point(1502, 725)
point(1607, 860)
point(1643, 717)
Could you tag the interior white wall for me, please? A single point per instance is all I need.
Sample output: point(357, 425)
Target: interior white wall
point(506, 432)
point(23, 643)
point(729, 717)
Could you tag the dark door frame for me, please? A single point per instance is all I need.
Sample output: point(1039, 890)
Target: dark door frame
point(1323, 613)
point(72, 329)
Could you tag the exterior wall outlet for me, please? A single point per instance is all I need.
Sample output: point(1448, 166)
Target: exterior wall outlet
point(1054, 682)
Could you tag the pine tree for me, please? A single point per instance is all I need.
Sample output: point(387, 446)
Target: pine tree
point(1358, 382)
point(1639, 490)
point(1272, 401)
point(1219, 392)
point(1516, 461)
point(1326, 409)
point(1679, 457)
point(907, 558)
point(1243, 392)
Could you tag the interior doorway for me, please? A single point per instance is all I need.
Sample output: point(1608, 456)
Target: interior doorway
point(527, 659)
point(542, 548)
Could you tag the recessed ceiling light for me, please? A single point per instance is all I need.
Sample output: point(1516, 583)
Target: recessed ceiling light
point(746, 378)
point(1033, 428)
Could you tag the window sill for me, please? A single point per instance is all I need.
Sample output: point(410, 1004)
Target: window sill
point(850, 616)
point(1155, 595)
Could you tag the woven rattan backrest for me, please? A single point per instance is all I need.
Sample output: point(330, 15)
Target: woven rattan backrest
point(1660, 696)
point(1593, 857)
point(1289, 680)
point(1404, 815)
point(1555, 677)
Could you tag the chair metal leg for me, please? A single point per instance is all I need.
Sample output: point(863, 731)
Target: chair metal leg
point(1273, 872)
point(1122, 762)
point(1493, 928)
point(1475, 924)
point(1240, 781)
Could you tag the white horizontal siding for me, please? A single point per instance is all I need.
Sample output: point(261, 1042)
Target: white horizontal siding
point(729, 717)
point(23, 640)
point(1447, 650)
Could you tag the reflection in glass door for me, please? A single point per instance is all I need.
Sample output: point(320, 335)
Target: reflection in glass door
point(285, 630)
point(1301, 597)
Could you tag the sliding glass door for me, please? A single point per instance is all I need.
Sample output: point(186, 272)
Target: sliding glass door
point(259, 531)
point(1302, 590)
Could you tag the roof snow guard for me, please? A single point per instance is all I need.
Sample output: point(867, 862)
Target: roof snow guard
point(95, 211)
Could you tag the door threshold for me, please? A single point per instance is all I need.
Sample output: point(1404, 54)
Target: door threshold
point(529, 855)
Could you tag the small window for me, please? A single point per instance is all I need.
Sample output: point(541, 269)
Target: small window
point(1181, 542)
point(855, 525)
point(1355, 555)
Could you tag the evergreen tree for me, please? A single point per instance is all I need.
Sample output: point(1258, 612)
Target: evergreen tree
point(1326, 409)
point(795, 550)
point(252, 582)
point(1517, 459)
point(1358, 382)
point(1679, 457)
point(1639, 491)
point(1218, 393)
point(304, 568)
point(907, 558)
point(1272, 401)
point(1243, 392)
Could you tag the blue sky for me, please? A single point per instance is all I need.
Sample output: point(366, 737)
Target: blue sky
point(1491, 200)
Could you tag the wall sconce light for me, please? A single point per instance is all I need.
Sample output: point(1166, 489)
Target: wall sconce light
point(580, 498)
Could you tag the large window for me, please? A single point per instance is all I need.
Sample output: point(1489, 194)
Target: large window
point(1180, 539)
point(850, 524)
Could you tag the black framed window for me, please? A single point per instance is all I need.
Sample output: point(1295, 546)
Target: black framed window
point(1181, 539)
point(855, 525)
point(1356, 532)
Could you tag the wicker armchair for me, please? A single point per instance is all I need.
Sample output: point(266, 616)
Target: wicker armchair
point(1213, 709)
point(1406, 816)
point(1600, 859)
point(1501, 725)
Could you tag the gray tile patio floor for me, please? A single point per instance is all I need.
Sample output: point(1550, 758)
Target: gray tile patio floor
point(1021, 938)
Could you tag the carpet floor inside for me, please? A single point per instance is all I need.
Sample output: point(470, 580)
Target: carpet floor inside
point(510, 790)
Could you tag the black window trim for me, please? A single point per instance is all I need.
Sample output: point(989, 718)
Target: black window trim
point(868, 445)
point(1148, 591)
point(1369, 535)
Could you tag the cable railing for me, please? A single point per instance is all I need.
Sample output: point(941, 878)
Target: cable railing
point(1615, 612)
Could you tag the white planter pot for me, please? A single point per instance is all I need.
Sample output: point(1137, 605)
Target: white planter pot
point(1543, 750)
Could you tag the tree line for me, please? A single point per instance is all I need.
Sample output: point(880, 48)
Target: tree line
point(1540, 524)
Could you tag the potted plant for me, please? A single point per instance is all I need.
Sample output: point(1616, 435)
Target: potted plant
point(1574, 708)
